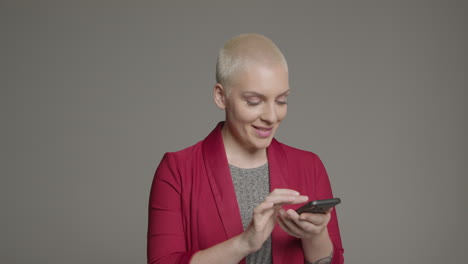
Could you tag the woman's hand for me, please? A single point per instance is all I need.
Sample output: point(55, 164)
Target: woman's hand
point(304, 226)
point(263, 220)
point(312, 230)
point(265, 214)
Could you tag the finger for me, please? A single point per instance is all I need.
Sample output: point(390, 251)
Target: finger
point(289, 224)
point(281, 223)
point(316, 219)
point(263, 207)
point(292, 214)
point(286, 199)
point(295, 217)
point(285, 191)
point(306, 227)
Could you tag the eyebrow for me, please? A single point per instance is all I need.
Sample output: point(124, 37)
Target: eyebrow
point(251, 93)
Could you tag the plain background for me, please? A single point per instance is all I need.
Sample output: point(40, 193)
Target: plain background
point(94, 92)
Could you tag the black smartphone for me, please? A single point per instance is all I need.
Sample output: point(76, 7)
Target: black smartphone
point(319, 206)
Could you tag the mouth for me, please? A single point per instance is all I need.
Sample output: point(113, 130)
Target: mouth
point(263, 131)
point(263, 128)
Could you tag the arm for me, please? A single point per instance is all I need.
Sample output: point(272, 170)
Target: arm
point(166, 237)
point(317, 248)
point(319, 233)
point(232, 251)
point(259, 229)
point(324, 191)
point(325, 260)
point(313, 232)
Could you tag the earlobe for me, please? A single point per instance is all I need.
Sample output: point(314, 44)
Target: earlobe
point(218, 95)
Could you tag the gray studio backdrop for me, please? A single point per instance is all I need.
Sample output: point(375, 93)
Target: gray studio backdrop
point(93, 93)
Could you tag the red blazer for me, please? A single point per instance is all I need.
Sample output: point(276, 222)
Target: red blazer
point(193, 204)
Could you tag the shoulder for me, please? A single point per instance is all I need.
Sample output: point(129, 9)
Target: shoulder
point(293, 153)
point(175, 164)
point(183, 155)
point(213, 142)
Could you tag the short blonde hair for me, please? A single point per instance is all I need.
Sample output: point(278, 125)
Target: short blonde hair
point(242, 51)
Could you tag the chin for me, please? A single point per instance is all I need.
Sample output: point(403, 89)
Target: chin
point(263, 143)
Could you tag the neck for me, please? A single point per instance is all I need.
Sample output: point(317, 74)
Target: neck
point(239, 155)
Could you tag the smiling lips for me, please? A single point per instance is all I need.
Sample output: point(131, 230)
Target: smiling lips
point(263, 131)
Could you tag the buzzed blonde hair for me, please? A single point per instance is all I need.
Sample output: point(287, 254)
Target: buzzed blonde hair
point(245, 50)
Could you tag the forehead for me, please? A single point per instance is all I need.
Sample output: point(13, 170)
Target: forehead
point(262, 78)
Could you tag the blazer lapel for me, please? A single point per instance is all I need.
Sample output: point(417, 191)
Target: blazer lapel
point(278, 166)
point(219, 177)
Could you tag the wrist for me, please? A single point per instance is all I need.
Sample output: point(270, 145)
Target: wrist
point(317, 247)
point(242, 243)
point(317, 239)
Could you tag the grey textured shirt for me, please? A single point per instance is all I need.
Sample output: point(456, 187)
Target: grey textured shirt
point(252, 187)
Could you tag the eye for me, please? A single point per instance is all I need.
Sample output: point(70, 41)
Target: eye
point(282, 100)
point(249, 102)
point(253, 100)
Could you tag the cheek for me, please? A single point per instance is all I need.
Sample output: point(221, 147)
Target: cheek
point(282, 112)
point(247, 114)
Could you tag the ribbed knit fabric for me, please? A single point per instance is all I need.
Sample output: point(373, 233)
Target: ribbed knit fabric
point(252, 187)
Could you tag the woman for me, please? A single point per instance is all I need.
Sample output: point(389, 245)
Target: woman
point(231, 197)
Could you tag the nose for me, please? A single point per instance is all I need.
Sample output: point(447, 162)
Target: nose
point(270, 114)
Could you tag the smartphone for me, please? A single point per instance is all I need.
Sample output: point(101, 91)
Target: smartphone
point(319, 206)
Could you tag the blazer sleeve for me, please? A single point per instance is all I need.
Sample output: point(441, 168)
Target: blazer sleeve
point(166, 238)
point(324, 191)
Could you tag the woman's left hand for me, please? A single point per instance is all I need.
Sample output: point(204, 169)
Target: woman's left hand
point(305, 225)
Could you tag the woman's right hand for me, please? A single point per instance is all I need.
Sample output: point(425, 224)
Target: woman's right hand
point(263, 221)
point(264, 217)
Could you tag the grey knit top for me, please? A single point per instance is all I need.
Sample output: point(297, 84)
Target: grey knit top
point(252, 187)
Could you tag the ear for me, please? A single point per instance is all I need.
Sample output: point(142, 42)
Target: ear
point(219, 96)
